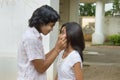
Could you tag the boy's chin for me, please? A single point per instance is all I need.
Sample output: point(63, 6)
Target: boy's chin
point(45, 34)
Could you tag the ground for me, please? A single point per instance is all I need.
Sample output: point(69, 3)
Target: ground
point(101, 62)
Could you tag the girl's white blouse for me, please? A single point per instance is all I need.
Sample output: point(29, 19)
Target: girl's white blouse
point(65, 66)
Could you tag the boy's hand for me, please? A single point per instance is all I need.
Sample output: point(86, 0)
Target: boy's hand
point(61, 43)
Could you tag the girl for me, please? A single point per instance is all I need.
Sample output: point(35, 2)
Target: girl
point(69, 65)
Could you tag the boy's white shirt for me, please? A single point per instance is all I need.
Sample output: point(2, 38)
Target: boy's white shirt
point(31, 48)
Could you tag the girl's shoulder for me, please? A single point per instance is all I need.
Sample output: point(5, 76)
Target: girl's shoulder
point(74, 58)
point(74, 53)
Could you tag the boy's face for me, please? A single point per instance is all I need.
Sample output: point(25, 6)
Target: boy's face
point(45, 29)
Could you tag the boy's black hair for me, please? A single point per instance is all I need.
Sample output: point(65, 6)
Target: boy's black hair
point(42, 16)
point(75, 36)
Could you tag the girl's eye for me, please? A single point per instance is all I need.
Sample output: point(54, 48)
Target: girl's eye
point(62, 32)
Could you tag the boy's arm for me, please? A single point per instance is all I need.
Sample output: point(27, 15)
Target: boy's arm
point(42, 65)
point(56, 77)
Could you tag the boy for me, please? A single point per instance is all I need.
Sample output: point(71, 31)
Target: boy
point(32, 62)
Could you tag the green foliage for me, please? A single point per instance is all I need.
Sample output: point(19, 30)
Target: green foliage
point(109, 13)
point(115, 39)
point(115, 10)
point(116, 6)
point(87, 9)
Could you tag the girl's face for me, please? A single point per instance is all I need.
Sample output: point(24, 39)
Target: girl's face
point(63, 31)
point(45, 29)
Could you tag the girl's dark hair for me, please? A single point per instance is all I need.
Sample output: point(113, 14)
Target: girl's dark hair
point(42, 16)
point(75, 36)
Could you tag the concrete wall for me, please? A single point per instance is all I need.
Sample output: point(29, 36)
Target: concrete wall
point(86, 20)
point(64, 10)
point(13, 22)
point(69, 11)
point(111, 25)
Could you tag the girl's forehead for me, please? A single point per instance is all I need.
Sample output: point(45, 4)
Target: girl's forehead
point(63, 28)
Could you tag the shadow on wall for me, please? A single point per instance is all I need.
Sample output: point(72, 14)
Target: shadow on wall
point(88, 30)
point(88, 25)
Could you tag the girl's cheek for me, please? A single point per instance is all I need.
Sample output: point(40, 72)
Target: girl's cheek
point(64, 35)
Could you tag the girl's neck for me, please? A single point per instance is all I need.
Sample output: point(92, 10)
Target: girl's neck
point(67, 51)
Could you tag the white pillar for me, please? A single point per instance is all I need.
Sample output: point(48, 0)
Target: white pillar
point(74, 14)
point(98, 36)
point(51, 72)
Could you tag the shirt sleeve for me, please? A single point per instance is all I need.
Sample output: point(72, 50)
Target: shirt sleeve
point(75, 57)
point(34, 49)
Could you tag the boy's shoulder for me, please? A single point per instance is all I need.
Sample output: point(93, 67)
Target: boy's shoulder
point(28, 35)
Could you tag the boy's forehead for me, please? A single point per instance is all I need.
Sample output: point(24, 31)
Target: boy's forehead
point(51, 23)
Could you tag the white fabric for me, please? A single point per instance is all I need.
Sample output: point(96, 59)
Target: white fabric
point(31, 48)
point(65, 66)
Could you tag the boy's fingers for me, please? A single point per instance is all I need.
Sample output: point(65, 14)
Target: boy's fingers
point(63, 38)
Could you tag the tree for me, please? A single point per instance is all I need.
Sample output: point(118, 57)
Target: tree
point(109, 13)
point(116, 7)
point(115, 10)
point(87, 9)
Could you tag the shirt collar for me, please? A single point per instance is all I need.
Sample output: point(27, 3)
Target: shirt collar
point(37, 34)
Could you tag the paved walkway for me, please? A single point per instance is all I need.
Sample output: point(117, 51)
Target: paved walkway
point(101, 63)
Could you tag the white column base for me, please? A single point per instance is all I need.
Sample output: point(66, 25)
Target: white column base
point(98, 38)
